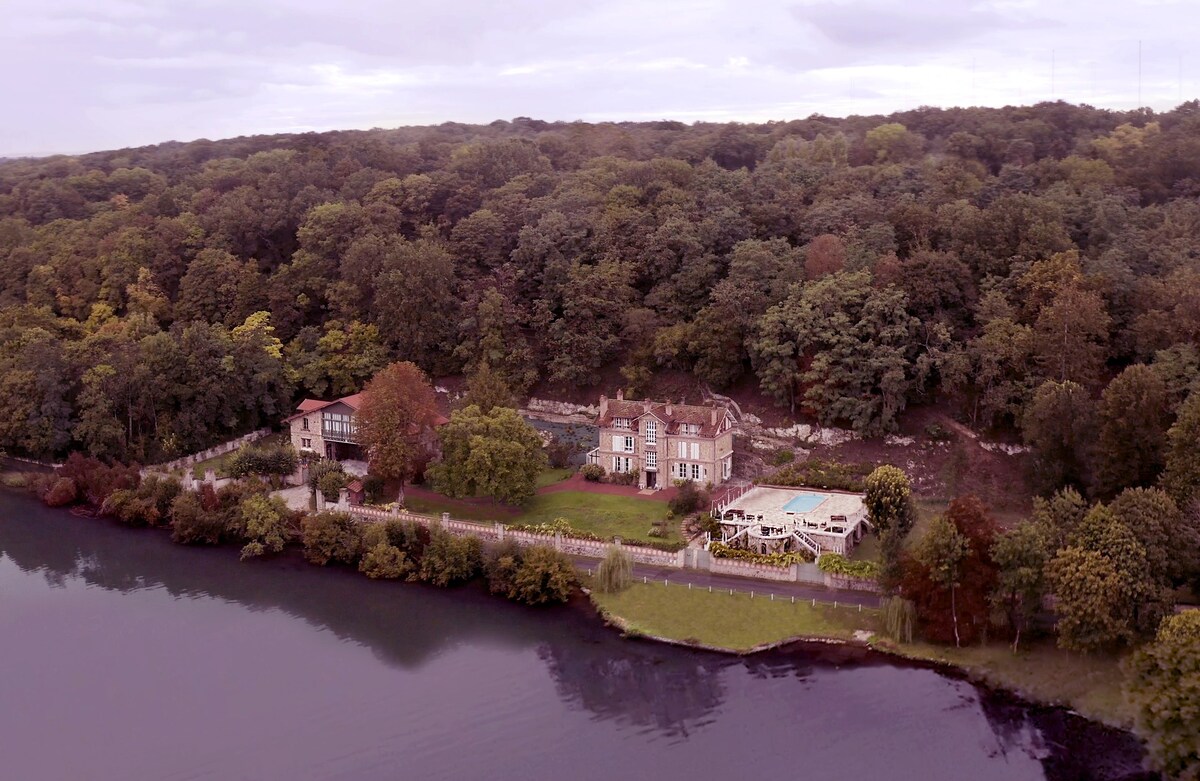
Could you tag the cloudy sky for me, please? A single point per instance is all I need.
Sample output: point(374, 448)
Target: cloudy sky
point(81, 75)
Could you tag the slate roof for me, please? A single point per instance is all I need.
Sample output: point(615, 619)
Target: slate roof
point(679, 413)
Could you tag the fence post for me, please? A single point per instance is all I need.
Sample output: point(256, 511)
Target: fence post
point(500, 531)
point(557, 540)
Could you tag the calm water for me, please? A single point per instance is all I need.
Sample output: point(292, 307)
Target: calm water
point(125, 657)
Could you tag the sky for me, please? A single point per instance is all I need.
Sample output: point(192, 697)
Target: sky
point(87, 75)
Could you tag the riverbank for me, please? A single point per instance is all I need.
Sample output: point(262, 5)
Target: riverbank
point(738, 624)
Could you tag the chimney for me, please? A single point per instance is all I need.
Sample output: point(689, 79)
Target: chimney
point(603, 406)
point(646, 405)
point(668, 409)
point(714, 416)
point(620, 394)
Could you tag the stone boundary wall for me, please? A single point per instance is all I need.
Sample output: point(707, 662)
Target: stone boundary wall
point(204, 455)
point(749, 569)
point(596, 549)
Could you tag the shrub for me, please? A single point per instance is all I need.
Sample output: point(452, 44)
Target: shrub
point(317, 471)
point(95, 480)
point(938, 433)
point(723, 551)
point(557, 526)
point(449, 559)
point(129, 508)
point(899, 615)
point(501, 566)
point(615, 571)
point(837, 564)
point(817, 473)
point(689, 499)
point(192, 524)
point(782, 457)
point(331, 536)
point(267, 461)
point(545, 575)
point(331, 484)
point(62, 492)
point(373, 487)
point(593, 473)
point(266, 523)
point(385, 561)
point(559, 452)
point(624, 478)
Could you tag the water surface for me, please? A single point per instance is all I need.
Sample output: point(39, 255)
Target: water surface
point(126, 657)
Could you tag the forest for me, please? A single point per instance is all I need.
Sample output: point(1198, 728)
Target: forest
point(1033, 270)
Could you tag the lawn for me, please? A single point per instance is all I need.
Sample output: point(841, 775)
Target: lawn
point(1088, 683)
point(219, 463)
point(608, 515)
point(550, 476)
point(736, 622)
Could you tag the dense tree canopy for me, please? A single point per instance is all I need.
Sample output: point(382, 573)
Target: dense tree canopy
point(851, 266)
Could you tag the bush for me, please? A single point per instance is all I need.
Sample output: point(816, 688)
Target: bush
point(501, 566)
point(62, 492)
point(593, 473)
point(373, 487)
point(624, 478)
point(938, 433)
point(690, 499)
point(129, 508)
point(545, 575)
point(192, 524)
point(266, 524)
point(449, 559)
point(837, 564)
point(615, 572)
point(316, 473)
point(266, 461)
point(95, 480)
point(723, 551)
point(385, 561)
point(331, 484)
point(782, 457)
point(557, 526)
point(331, 536)
point(817, 473)
point(559, 452)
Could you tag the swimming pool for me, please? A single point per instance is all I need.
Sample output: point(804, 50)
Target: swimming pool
point(804, 503)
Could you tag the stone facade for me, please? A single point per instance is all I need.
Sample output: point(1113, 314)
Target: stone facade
point(664, 442)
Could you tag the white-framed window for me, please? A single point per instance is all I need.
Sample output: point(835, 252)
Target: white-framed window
point(651, 459)
point(696, 471)
point(305, 442)
point(695, 446)
point(681, 469)
point(651, 432)
point(689, 429)
point(622, 464)
point(620, 422)
point(726, 466)
point(304, 423)
point(683, 450)
point(628, 444)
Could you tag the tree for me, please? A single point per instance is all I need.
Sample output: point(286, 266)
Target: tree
point(1090, 600)
point(1071, 334)
point(397, 410)
point(545, 575)
point(495, 454)
point(1181, 477)
point(1058, 427)
point(887, 495)
point(1163, 685)
point(331, 536)
point(448, 559)
point(1132, 419)
point(1060, 515)
point(1171, 542)
point(487, 390)
point(943, 551)
point(416, 302)
point(192, 524)
point(1020, 556)
point(615, 571)
point(267, 523)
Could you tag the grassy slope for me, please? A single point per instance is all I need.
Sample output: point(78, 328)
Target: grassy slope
point(218, 463)
point(1090, 684)
point(735, 622)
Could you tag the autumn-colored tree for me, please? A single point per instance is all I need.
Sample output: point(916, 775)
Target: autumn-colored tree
point(395, 418)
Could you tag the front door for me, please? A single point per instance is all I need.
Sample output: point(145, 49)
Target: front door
point(651, 479)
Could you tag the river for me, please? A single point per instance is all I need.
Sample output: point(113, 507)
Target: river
point(127, 657)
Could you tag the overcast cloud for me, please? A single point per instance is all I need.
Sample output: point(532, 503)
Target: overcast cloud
point(82, 75)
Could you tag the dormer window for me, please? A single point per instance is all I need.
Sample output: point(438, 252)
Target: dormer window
point(689, 429)
point(620, 422)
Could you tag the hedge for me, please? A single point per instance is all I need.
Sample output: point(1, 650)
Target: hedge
point(837, 564)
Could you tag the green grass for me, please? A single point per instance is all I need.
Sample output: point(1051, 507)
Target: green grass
point(1090, 684)
point(14, 479)
point(627, 517)
point(550, 476)
point(220, 463)
point(867, 549)
point(736, 622)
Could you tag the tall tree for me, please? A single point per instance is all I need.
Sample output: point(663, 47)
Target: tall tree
point(943, 551)
point(1132, 419)
point(397, 412)
point(1181, 477)
point(1059, 429)
point(1020, 555)
point(495, 454)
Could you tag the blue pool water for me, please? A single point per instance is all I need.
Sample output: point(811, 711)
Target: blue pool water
point(805, 503)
